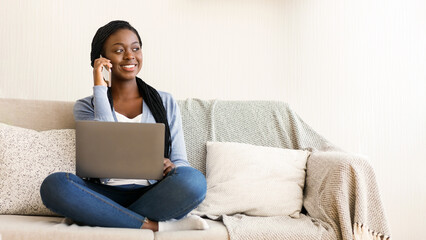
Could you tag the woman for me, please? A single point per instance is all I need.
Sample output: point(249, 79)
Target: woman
point(147, 204)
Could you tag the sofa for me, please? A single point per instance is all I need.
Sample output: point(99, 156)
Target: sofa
point(340, 195)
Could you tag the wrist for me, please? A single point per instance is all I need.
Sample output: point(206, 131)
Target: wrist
point(98, 80)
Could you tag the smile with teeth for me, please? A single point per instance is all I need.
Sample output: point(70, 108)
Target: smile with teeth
point(129, 66)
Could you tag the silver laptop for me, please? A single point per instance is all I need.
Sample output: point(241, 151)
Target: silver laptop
point(119, 150)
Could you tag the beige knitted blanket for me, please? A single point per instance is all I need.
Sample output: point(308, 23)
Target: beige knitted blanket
point(341, 198)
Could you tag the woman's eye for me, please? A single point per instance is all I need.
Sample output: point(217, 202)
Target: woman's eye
point(119, 50)
point(136, 49)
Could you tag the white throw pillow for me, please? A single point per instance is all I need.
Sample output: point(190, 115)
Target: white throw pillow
point(27, 157)
point(254, 180)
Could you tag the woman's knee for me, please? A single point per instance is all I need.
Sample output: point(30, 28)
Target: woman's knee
point(52, 187)
point(193, 181)
point(52, 181)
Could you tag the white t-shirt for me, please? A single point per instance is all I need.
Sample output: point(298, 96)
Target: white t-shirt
point(119, 181)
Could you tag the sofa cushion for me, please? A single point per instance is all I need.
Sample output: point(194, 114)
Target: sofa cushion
point(216, 231)
point(254, 180)
point(27, 157)
point(14, 227)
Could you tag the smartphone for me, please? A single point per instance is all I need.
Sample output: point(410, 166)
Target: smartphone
point(106, 74)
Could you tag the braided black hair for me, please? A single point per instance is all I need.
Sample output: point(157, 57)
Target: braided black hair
point(104, 32)
point(148, 93)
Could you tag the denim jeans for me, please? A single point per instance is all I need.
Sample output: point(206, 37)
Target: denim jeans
point(88, 203)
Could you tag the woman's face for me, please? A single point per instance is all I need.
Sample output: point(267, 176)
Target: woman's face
point(124, 50)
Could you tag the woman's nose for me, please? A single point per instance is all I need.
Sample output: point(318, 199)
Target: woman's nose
point(129, 55)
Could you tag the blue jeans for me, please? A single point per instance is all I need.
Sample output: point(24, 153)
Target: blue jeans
point(88, 203)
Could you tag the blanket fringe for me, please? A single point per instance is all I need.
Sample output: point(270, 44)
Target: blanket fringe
point(362, 232)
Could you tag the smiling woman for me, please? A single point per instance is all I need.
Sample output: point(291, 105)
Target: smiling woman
point(123, 49)
point(123, 54)
point(129, 203)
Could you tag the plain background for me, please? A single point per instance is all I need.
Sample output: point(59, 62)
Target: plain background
point(353, 70)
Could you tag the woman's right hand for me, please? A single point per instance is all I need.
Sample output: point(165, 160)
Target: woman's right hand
point(97, 71)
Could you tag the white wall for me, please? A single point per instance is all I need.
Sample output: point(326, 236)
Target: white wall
point(354, 70)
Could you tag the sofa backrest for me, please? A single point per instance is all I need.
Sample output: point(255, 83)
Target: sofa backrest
point(263, 123)
point(39, 115)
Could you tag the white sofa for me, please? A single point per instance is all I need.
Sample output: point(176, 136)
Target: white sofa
point(331, 209)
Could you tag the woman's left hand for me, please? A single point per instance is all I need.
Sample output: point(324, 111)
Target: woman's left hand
point(168, 166)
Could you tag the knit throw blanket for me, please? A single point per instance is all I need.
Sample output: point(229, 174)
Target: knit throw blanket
point(341, 197)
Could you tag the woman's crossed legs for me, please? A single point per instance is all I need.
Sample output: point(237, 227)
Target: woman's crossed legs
point(182, 190)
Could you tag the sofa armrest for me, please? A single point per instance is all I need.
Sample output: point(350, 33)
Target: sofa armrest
point(341, 190)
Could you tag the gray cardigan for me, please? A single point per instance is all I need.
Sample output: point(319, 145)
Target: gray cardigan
point(98, 108)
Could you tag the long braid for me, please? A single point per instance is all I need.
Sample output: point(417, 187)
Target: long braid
point(148, 93)
point(155, 104)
